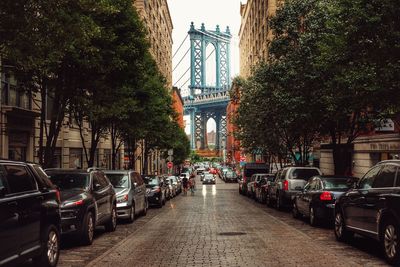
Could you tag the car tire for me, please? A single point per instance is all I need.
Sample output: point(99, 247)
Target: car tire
point(295, 211)
point(132, 213)
point(146, 206)
point(88, 229)
point(111, 225)
point(389, 240)
point(278, 203)
point(268, 200)
point(313, 219)
point(341, 233)
point(50, 251)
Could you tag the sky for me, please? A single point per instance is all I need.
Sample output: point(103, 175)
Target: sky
point(211, 13)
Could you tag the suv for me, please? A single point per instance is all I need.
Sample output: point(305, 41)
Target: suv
point(29, 215)
point(87, 200)
point(372, 209)
point(288, 182)
point(252, 184)
point(130, 192)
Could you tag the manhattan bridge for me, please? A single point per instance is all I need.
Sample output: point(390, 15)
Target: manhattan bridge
point(203, 101)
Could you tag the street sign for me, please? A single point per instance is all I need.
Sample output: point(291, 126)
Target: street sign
point(170, 158)
point(170, 165)
point(170, 152)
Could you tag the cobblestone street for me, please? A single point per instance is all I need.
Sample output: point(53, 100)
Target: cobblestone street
point(219, 227)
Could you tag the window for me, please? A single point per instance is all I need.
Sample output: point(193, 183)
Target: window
point(102, 179)
point(368, 179)
point(19, 179)
point(385, 177)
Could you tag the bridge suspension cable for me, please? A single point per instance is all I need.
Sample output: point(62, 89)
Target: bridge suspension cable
point(180, 46)
point(209, 55)
point(181, 60)
point(182, 76)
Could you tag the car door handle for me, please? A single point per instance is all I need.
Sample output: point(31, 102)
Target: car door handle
point(13, 203)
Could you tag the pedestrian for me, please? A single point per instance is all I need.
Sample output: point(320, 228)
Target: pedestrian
point(185, 183)
point(192, 184)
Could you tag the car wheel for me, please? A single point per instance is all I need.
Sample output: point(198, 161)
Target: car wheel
point(111, 225)
point(88, 229)
point(146, 206)
point(268, 200)
point(278, 204)
point(50, 242)
point(390, 241)
point(313, 218)
point(341, 233)
point(295, 211)
point(132, 214)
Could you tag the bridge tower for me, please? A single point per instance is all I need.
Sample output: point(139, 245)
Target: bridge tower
point(208, 101)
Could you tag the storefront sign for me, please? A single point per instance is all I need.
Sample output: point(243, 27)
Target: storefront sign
point(385, 146)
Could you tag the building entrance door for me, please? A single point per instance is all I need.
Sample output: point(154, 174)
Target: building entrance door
point(17, 145)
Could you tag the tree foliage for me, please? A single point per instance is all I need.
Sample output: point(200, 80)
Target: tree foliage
point(332, 70)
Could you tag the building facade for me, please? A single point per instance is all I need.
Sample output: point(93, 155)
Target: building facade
point(366, 151)
point(20, 131)
point(254, 34)
point(157, 19)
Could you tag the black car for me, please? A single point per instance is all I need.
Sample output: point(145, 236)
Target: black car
point(156, 190)
point(230, 176)
point(29, 215)
point(87, 200)
point(372, 209)
point(209, 179)
point(317, 200)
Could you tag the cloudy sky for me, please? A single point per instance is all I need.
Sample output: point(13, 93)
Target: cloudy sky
point(211, 13)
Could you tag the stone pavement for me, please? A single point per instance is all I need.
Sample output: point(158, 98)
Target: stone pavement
point(219, 227)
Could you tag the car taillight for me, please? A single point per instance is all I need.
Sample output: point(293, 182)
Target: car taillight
point(286, 185)
point(325, 196)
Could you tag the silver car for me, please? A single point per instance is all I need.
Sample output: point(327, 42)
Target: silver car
point(131, 193)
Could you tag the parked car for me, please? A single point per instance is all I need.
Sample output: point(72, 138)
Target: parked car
point(231, 177)
point(171, 188)
point(251, 185)
point(372, 209)
point(248, 170)
point(177, 183)
point(317, 200)
point(87, 200)
point(156, 190)
point(222, 172)
point(262, 187)
point(288, 182)
point(130, 193)
point(209, 179)
point(30, 221)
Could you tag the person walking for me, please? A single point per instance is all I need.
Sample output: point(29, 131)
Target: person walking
point(185, 184)
point(192, 184)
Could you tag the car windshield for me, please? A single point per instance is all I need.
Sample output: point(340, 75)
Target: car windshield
point(231, 174)
point(335, 183)
point(119, 180)
point(152, 181)
point(304, 174)
point(209, 176)
point(67, 181)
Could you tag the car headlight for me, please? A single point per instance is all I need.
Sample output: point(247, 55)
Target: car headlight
point(122, 199)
